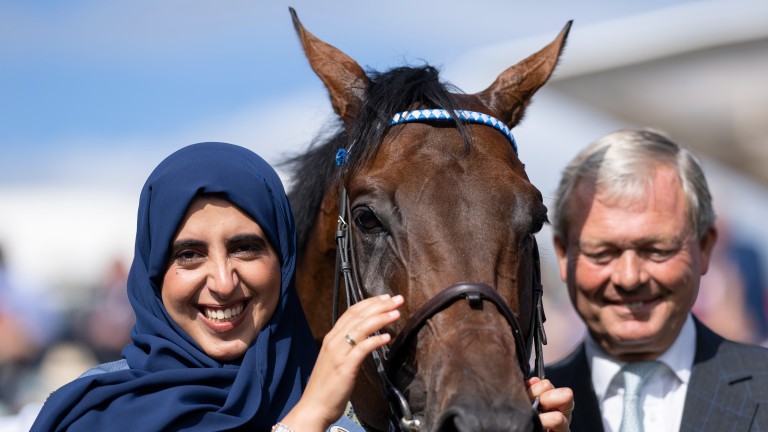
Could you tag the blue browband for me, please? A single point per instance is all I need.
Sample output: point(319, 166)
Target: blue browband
point(443, 115)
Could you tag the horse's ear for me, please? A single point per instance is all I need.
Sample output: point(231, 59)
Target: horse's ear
point(343, 77)
point(510, 94)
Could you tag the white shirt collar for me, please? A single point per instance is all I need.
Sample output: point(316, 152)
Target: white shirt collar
point(678, 358)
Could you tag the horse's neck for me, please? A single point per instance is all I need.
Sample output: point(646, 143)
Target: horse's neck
point(316, 267)
point(315, 293)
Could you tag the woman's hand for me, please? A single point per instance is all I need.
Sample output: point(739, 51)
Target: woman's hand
point(555, 404)
point(344, 348)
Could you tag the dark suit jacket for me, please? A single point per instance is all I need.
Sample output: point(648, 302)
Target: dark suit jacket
point(728, 389)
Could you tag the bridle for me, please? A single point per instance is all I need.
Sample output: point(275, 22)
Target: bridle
point(388, 359)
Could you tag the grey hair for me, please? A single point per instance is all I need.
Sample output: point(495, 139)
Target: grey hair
point(622, 164)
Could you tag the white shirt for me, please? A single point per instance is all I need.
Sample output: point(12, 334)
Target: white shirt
point(663, 394)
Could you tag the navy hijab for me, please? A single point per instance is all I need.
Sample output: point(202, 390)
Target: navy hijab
point(171, 384)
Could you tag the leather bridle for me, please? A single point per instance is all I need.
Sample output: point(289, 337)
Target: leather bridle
point(388, 359)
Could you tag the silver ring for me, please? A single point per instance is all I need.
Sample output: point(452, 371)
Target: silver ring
point(349, 340)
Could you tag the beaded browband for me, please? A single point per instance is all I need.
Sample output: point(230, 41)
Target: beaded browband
point(443, 115)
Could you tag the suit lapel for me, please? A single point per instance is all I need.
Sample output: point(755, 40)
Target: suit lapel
point(574, 372)
point(718, 397)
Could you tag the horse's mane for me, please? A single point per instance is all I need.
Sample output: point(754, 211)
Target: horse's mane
point(396, 90)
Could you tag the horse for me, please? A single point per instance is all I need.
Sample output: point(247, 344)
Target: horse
point(420, 192)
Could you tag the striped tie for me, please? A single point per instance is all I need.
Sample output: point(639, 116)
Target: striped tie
point(635, 375)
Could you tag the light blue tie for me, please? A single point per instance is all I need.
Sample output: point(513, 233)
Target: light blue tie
point(635, 375)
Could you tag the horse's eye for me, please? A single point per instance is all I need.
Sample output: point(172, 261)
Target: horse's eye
point(366, 220)
point(538, 215)
point(538, 224)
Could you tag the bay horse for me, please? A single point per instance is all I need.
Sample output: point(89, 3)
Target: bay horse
point(420, 192)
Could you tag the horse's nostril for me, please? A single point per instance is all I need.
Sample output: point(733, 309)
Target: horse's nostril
point(462, 418)
point(457, 419)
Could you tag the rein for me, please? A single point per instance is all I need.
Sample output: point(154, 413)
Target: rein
point(387, 360)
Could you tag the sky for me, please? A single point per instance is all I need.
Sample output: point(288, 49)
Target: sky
point(107, 80)
point(95, 93)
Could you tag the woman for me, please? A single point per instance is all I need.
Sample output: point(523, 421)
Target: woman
point(220, 341)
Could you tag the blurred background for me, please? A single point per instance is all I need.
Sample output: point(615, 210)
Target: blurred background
point(95, 94)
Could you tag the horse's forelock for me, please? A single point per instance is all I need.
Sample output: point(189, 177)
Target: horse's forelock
point(390, 92)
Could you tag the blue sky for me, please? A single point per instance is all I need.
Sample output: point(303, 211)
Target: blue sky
point(83, 78)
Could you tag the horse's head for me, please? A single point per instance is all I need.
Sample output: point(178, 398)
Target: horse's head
point(432, 204)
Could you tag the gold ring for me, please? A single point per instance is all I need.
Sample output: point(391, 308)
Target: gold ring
point(349, 340)
point(568, 412)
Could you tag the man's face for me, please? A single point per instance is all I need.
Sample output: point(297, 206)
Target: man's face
point(633, 269)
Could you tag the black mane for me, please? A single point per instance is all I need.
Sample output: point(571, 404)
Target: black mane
point(396, 90)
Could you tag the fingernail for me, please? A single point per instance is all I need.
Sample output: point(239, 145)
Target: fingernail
point(398, 298)
point(384, 296)
point(394, 313)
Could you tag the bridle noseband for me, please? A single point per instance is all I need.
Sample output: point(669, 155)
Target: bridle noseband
point(475, 294)
point(388, 360)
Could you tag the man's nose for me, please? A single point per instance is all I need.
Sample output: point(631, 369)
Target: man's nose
point(629, 272)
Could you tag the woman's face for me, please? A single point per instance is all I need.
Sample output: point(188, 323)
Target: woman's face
point(223, 280)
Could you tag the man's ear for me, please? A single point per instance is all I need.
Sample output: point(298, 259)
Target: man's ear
point(561, 251)
point(706, 244)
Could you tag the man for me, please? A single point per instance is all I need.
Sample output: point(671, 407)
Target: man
point(634, 231)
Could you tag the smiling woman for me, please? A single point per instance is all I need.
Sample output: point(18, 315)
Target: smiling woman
point(220, 341)
point(223, 280)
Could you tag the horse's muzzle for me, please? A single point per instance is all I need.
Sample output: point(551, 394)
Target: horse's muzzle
point(464, 418)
